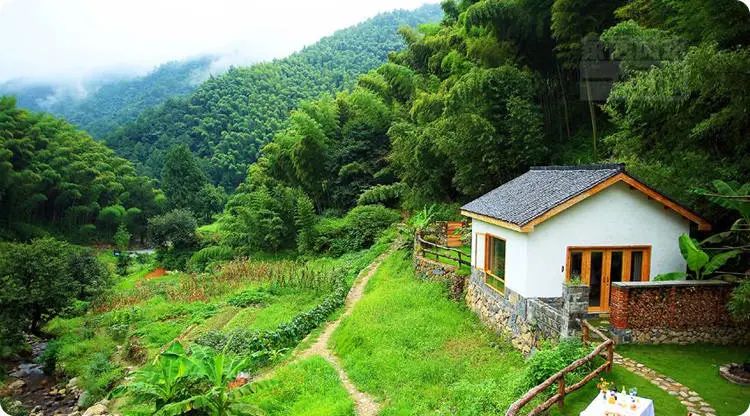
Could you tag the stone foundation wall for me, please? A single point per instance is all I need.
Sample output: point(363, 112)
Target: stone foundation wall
point(682, 312)
point(435, 271)
point(528, 321)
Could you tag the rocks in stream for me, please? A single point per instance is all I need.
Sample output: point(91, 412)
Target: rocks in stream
point(14, 388)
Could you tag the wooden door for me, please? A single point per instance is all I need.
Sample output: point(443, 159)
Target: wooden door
point(599, 267)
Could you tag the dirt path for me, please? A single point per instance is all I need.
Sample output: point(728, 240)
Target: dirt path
point(365, 405)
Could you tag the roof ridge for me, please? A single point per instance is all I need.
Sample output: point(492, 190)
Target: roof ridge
point(620, 167)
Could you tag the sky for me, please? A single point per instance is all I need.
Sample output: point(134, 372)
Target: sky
point(44, 40)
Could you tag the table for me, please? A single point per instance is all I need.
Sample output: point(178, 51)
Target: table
point(600, 407)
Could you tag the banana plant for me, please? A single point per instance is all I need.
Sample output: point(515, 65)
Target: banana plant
point(178, 383)
point(161, 382)
point(700, 263)
point(224, 394)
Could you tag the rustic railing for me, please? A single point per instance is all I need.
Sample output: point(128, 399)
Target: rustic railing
point(439, 251)
point(606, 349)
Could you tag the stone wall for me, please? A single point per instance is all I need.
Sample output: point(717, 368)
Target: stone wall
point(435, 271)
point(679, 312)
point(528, 321)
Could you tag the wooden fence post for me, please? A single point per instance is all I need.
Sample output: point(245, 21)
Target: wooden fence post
point(610, 355)
point(585, 332)
point(561, 391)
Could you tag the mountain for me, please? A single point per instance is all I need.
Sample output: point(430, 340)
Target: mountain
point(230, 117)
point(102, 104)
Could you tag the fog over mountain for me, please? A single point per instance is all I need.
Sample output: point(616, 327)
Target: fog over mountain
point(75, 40)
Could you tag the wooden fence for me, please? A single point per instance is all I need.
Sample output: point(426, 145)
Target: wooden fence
point(426, 247)
point(605, 349)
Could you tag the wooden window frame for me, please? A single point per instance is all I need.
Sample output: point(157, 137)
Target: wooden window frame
point(627, 252)
point(487, 240)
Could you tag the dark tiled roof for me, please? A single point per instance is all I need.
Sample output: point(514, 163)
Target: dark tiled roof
point(539, 190)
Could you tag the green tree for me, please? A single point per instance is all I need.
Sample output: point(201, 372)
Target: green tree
point(175, 229)
point(304, 220)
point(38, 290)
point(182, 179)
point(122, 238)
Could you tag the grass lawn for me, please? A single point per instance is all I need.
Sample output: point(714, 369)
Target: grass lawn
point(307, 388)
point(420, 353)
point(697, 367)
point(664, 404)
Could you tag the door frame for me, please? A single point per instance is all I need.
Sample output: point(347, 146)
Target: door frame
point(606, 282)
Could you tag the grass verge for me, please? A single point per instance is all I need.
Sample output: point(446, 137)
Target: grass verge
point(305, 388)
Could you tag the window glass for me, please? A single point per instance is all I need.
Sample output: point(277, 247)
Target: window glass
point(496, 263)
point(576, 265)
point(636, 266)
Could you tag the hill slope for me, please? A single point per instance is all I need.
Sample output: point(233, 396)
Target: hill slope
point(229, 117)
point(100, 106)
point(54, 177)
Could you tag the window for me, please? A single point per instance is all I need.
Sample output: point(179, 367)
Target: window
point(494, 262)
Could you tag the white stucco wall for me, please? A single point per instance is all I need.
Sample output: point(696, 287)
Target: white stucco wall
point(617, 216)
point(515, 255)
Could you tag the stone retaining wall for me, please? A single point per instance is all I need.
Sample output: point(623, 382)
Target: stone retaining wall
point(527, 320)
point(432, 270)
point(680, 312)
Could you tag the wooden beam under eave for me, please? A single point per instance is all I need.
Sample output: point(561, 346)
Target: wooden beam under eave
point(494, 221)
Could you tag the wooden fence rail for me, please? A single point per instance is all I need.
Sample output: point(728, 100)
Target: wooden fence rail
point(606, 349)
point(426, 247)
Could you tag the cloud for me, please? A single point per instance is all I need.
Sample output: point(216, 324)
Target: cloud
point(72, 39)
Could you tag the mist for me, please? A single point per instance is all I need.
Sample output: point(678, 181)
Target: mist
point(69, 43)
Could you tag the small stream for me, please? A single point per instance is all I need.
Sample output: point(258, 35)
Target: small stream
point(40, 393)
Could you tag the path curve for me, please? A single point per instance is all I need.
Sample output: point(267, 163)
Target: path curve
point(365, 405)
point(695, 404)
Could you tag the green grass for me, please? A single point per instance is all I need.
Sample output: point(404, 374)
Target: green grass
point(697, 367)
point(463, 269)
point(664, 404)
point(282, 308)
point(307, 388)
point(420, 353)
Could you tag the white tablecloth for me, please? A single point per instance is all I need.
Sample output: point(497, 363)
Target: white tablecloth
point(600, 407)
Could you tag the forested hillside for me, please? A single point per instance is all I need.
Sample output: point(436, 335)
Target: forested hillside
point(107, 104)
point(54, 177)
point(495, 88)
point(229, 117)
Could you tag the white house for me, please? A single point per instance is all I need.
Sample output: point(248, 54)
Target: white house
point(598, 224)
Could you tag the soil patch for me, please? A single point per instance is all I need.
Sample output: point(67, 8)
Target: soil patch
point(158, 272)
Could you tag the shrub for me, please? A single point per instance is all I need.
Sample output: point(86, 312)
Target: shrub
point(249, 297)
point(100, 375)
point(357, 230)
point(48, 358)
point(739, 303)
point(552, 358)
point(123, 260)
point(174, 258)
point(203, 258)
